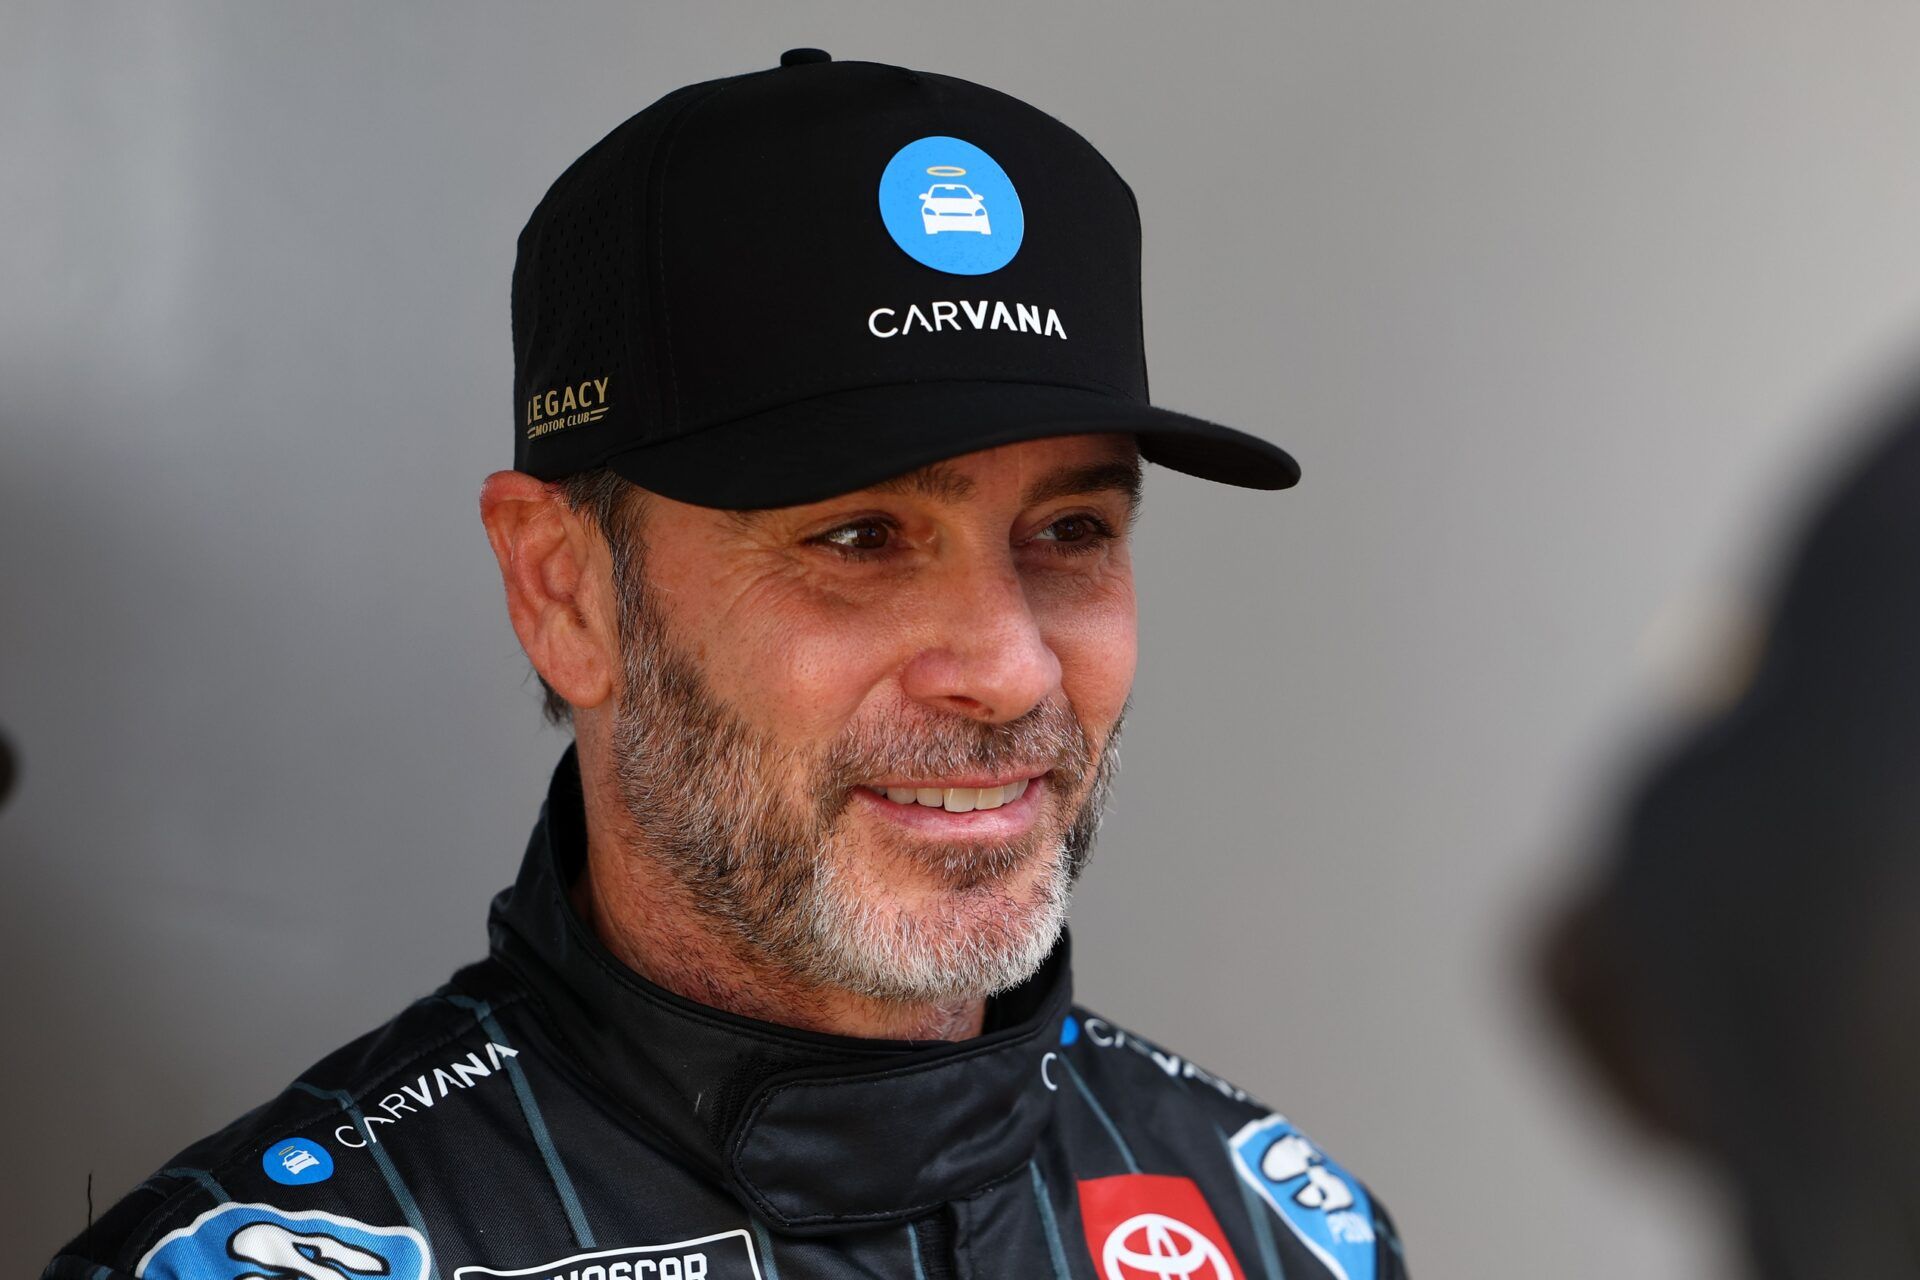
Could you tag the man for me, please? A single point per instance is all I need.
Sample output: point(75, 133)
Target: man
point(1745, 970)
point(830, 410)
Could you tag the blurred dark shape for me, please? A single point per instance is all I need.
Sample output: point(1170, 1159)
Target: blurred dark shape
point(8, 770)
point(1744, 969)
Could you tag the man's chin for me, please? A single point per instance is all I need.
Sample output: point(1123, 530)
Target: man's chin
point(947, 945)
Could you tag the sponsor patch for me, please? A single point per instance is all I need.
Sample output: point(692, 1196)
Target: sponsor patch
point(1324, 1205)
point(950, 206)
point(1143, 1226)
point(1107, 1036)
point(418, 1095)
point(297, 1162)
point(726, 1256)
point(568, 405)
point(250, 1241)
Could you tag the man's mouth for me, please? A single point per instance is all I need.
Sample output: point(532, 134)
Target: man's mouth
point(955, 808)
point(940, 794)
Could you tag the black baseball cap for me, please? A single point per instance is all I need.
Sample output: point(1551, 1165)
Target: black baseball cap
point(780, 286)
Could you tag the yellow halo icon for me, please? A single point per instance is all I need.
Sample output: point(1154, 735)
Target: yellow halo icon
point(946, 171)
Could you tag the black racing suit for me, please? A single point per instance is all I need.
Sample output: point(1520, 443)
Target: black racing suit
point(548, 1114)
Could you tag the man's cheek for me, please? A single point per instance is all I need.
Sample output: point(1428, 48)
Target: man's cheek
point(802, 684)
point(1098, 679)
point(1096, 638)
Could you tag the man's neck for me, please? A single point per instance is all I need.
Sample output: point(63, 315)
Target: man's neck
point(650, 924)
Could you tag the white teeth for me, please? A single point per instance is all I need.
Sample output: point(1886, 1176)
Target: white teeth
point(994, 797)
point(957, 799)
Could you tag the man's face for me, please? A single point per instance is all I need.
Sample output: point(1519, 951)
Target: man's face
point(871, 736)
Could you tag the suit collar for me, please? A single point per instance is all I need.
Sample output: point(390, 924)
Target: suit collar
point(816, 1132)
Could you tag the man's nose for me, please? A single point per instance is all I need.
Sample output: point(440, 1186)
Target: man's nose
point(984, 654)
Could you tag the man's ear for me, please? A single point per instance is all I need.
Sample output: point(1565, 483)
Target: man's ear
point(557, 574)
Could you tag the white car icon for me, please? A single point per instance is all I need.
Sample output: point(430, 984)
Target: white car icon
point(949, 206)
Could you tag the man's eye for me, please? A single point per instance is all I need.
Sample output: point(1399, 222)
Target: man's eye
point(1076, 533)
point(860, 536)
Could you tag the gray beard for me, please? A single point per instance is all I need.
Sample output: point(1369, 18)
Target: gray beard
point(705, 792)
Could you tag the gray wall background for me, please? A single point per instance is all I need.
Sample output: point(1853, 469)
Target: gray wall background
point(1555, 301)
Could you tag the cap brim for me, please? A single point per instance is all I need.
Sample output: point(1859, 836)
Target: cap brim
point(826, 445)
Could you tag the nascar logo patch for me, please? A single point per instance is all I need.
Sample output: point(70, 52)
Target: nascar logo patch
point(726, 1255)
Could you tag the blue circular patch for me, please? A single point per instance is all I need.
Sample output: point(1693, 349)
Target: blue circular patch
point(297, 1162)
point(1069, 1030)
point(951, 207)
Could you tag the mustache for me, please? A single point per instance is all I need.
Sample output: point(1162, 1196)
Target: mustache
point(1048, 737)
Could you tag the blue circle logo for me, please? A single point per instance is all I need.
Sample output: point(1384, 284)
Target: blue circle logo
point(297, 1162)
point(951, 207)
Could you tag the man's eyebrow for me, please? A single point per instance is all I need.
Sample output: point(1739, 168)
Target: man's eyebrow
point(936, 481)
point(942, 483)
point(1094, 477)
